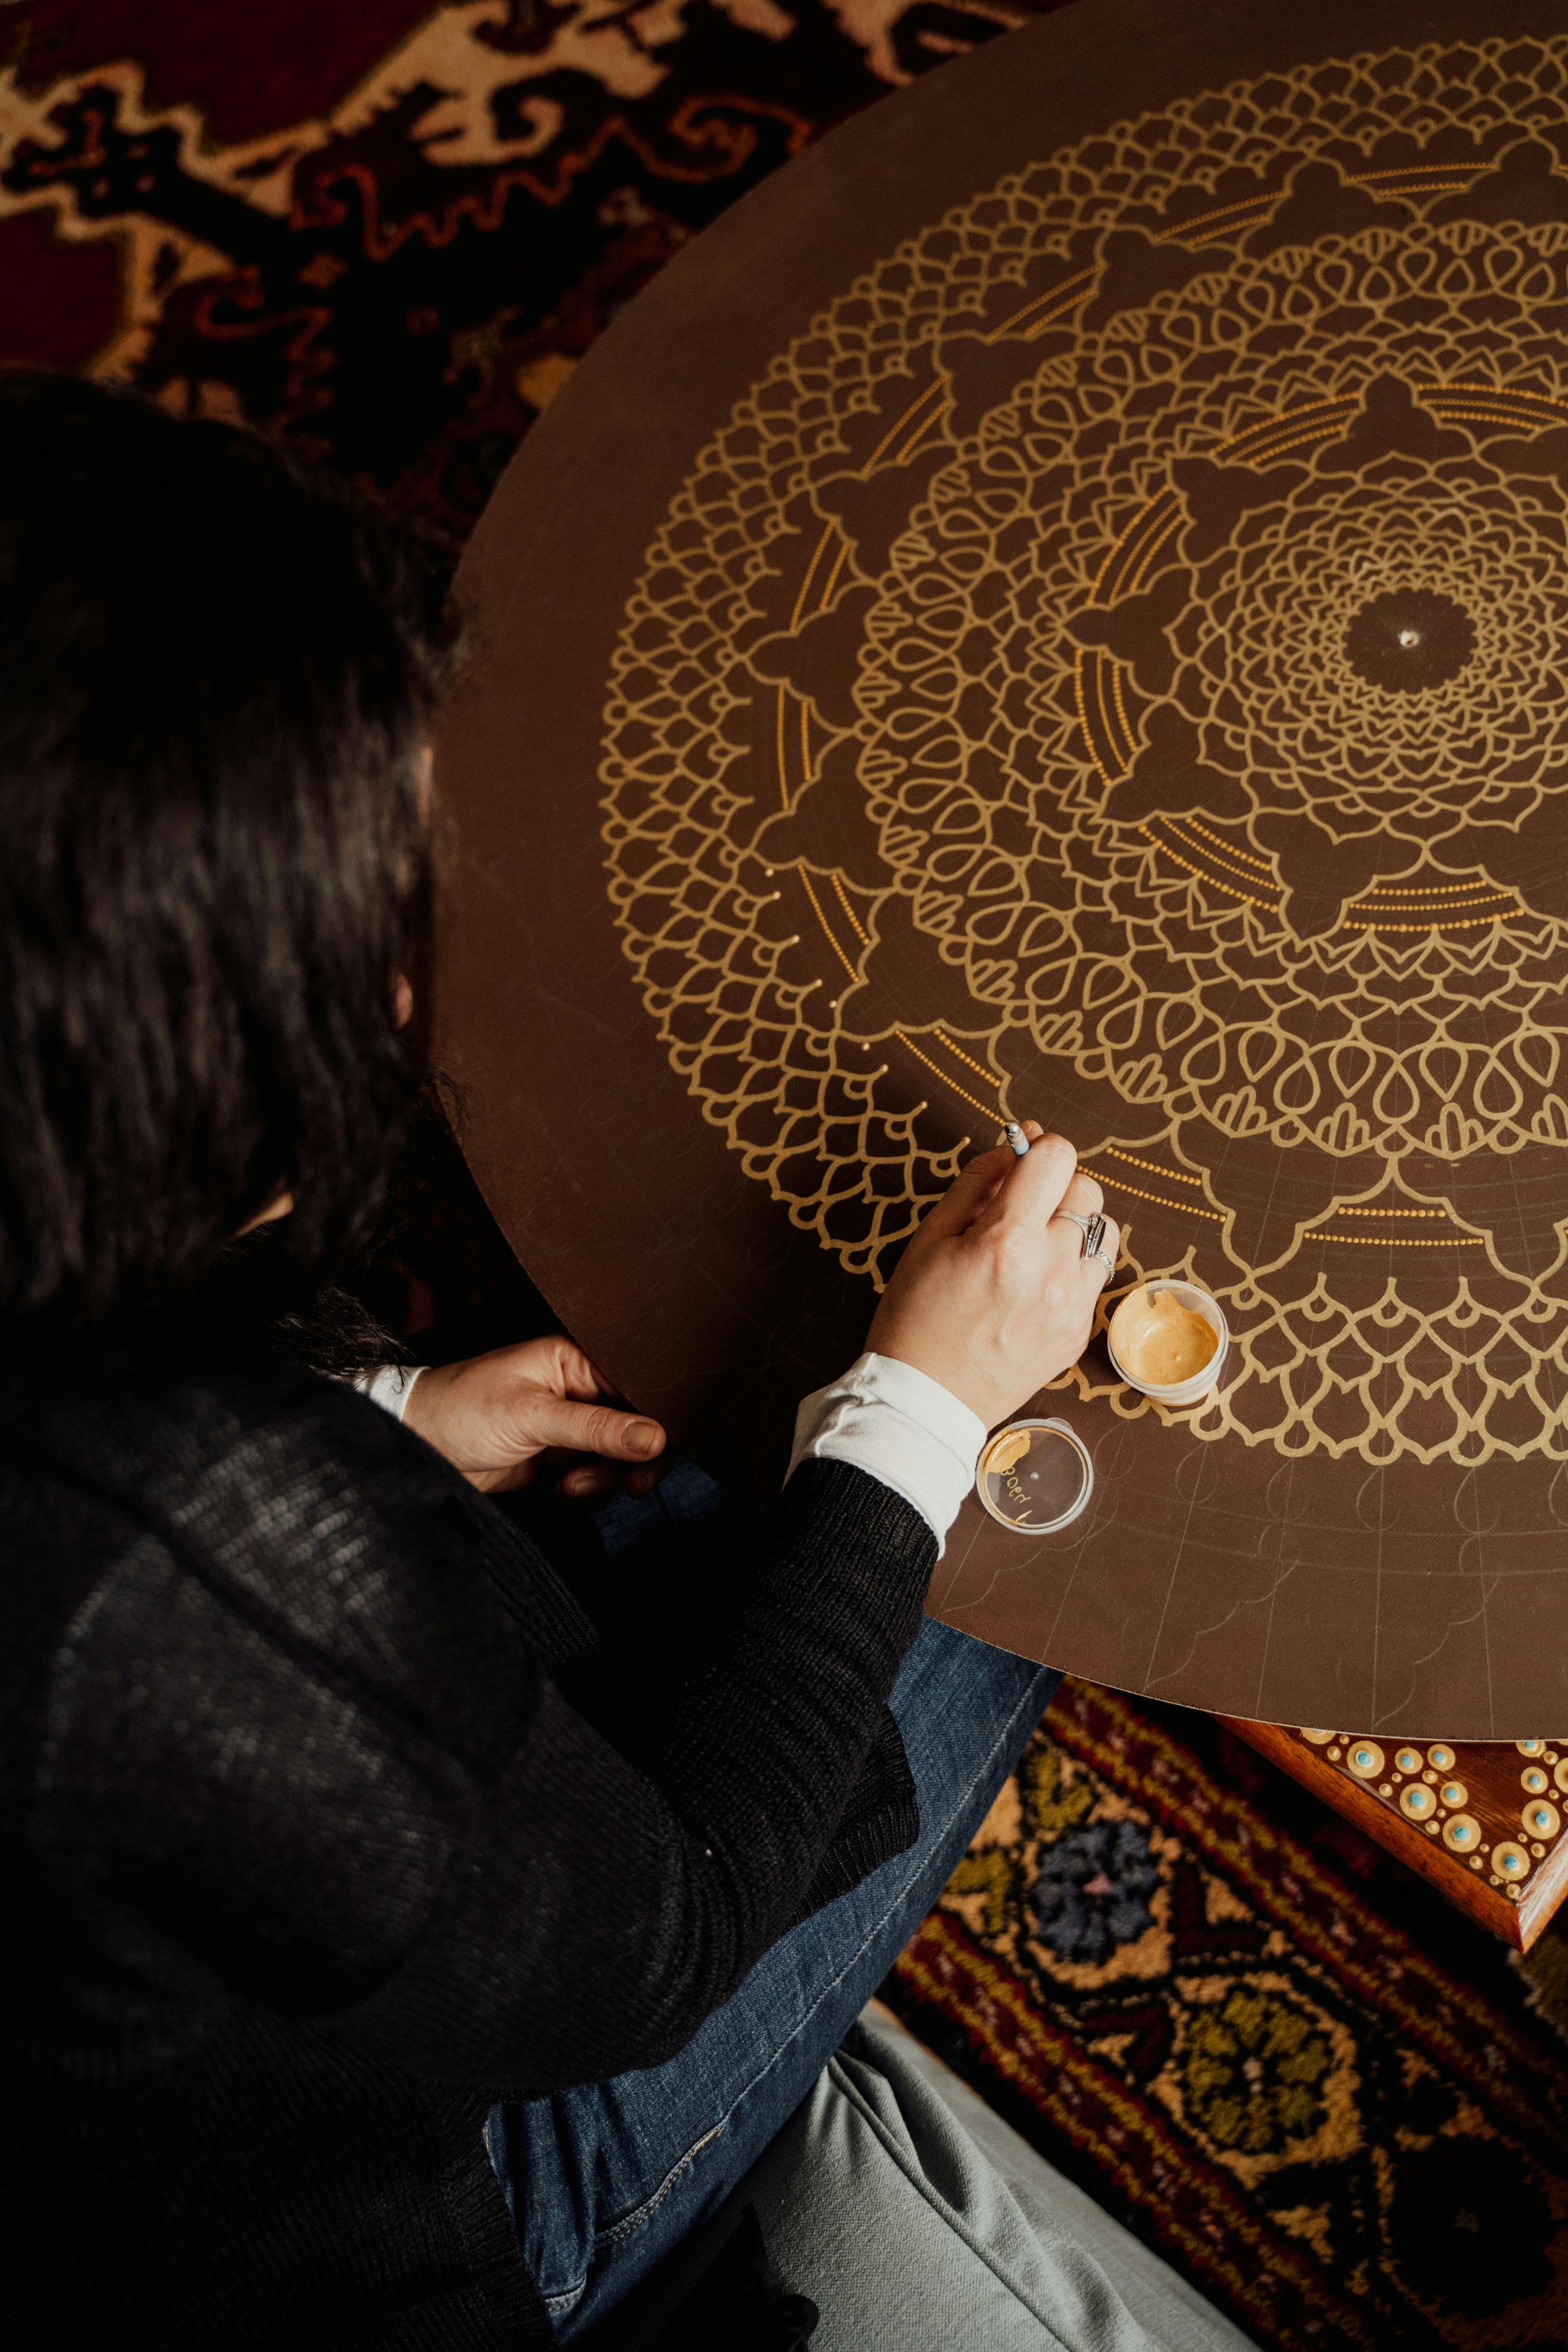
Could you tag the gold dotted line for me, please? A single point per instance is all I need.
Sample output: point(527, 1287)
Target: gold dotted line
point(848, 909)
point(1105, 778)
point(833, 576)
point(1467, 403)
point(1244, 872)
point(1440, 902)
point(978, 1067)
point(1220, 842)
point(1040, 301)
point(1183, 1208)
point(1391, 890)
point(1402, 171)
point(1049, 318)
point(1433, 187)
point(1390, 1213)
point(919, 435)
point(1272, 906)
point(1269, 425)
point(1223, 212)
point(1439, 923)
point(1477, 416)
point(1491, 395)
point(1143, 572)
point(829, 530)
point(1137, 523)
point(988, 1110)
point(1267, 451)
point(1102, 662)
point(822, 918)
point(1120, 706)
point(894, 430)
point(1392, 1240)
point(1152, 1166)
point(1126, 748)
point(1147, 520)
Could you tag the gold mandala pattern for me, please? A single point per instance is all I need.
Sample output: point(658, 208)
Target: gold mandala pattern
point(1119, 656)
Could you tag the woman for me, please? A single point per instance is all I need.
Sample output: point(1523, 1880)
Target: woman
point(402, 1943)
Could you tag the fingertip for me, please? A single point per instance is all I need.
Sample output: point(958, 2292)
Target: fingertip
point(581, 1485)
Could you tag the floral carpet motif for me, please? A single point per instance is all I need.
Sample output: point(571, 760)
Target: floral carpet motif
point(389, 231)
point(1287, 2066)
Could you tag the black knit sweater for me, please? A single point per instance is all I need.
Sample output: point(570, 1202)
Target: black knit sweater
point(320, 1834)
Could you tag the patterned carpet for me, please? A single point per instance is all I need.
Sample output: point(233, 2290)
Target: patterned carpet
point(1276, 2055)
point(388, 232)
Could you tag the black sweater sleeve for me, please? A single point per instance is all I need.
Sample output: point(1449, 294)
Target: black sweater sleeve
point(595, 1913)
point(510, 1904)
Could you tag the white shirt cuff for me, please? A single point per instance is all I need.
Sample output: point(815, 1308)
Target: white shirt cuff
point(390, 1386)
point(903, 1427)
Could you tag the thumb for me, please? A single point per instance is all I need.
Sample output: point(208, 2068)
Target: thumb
point(539, 1419)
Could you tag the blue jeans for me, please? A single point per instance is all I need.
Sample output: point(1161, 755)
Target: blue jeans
point(605, 2182)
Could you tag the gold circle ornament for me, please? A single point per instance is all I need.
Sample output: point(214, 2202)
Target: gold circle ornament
point(1156, 680)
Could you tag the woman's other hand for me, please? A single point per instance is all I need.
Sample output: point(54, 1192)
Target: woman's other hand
point(994, 1296)
point(512, 1416)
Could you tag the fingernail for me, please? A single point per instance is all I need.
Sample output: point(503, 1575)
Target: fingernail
point(643, 1436)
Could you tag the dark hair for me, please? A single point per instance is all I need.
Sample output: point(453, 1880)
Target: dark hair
point(216, 674)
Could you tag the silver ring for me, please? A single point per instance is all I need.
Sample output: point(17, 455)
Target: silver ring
point(1109, 1264)
point(1073, 1218)
point(1093, 1235)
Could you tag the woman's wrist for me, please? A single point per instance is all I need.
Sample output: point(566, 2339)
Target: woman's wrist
point(390, 1386)
point(889, 1418)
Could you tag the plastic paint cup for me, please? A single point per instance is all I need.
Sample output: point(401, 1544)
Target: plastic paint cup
point(1187, 1294)
point(1044, 1480)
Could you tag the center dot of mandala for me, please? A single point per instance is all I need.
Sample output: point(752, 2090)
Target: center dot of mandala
point(1410, 640)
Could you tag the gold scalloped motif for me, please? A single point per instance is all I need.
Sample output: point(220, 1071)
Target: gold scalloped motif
point(1124, 637)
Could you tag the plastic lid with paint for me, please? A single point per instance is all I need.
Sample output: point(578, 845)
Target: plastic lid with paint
point(1035, 1476)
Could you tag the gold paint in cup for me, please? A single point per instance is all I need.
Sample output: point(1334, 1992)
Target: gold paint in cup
point(1196, 1302)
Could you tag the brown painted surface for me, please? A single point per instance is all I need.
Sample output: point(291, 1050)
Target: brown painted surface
point(1051, 607)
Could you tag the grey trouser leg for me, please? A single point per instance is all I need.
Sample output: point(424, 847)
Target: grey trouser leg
point(917, 2219)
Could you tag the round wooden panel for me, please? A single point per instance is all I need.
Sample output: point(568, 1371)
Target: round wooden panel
point(1056, 608)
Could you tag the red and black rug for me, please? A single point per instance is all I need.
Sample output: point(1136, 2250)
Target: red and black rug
point(1278, 2057)
point(387, 231)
